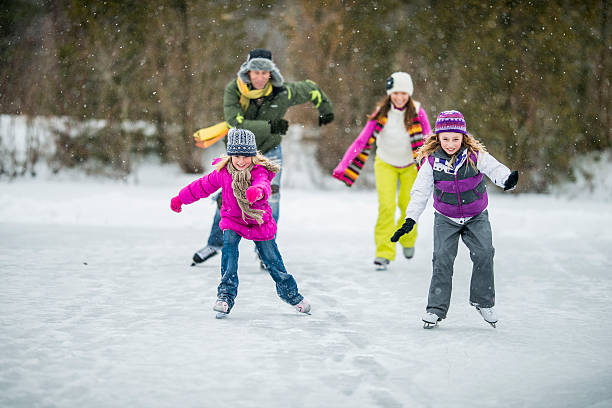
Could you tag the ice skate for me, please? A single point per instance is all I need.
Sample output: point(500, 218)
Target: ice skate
point(430, 320)
point(303, 307)
point(381, 264)
point(222, 309)
point(204, 254)
point(488, 314)
point(408, 252)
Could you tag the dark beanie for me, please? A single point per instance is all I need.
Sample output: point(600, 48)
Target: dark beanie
point(260, 53)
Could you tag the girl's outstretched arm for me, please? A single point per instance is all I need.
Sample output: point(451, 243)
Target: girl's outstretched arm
point(494, 170)
point(260, 178)
point(354, 149)
point(425, 126)
point(200, 188)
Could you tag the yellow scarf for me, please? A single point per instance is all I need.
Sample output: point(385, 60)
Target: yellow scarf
point(247, 94)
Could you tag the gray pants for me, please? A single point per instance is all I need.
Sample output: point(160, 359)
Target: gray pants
point(476, 234)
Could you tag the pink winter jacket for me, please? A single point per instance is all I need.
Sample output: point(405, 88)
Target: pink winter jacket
point(231, 215)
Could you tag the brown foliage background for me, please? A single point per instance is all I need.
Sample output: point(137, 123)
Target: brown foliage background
point(532, 78)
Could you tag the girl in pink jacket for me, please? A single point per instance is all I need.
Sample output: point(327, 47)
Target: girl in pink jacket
point(244, 177)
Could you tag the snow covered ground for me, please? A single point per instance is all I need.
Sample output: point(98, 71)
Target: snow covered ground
point(99, 306)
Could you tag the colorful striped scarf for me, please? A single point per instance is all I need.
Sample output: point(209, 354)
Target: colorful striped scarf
point(415, 133)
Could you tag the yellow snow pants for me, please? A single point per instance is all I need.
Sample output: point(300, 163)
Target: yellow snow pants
point(387, 177)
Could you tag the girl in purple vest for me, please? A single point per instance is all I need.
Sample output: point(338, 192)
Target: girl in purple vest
point(244, 177)
point(452, 169)
point(399, 126)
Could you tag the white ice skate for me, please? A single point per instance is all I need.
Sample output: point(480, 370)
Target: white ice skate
point(303, 307)
point(222, 309)
point(430, 320)
point(408, 252)
point(381, 264)
point(488, 314)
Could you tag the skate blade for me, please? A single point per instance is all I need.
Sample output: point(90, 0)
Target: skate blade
point(221, 315)
point(427, 325)
point(303, 313)
point(491, 323)
point(380, 268)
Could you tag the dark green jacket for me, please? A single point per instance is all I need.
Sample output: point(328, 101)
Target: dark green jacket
point(256, 118)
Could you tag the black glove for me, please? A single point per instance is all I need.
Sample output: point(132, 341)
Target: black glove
point(279, 126)
point(511, 181)
point(326, 118)
point(404, 229)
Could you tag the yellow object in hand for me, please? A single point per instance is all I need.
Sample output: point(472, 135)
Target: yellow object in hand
point(206, 137)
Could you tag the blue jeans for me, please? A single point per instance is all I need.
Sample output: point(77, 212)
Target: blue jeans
point(286, 287)
point(216, 235)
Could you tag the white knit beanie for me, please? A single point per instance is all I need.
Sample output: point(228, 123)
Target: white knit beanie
point(400, 82)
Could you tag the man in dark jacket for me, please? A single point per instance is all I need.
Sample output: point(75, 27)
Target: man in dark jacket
point(257, 100)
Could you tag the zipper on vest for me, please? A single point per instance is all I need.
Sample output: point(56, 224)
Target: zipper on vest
point(458, 196)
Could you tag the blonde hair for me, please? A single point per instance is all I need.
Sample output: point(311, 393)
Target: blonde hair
point(384, 106)
point(257, 159)
point(433, 142)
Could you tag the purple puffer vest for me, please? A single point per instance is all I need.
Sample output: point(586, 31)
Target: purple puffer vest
point(459, 191)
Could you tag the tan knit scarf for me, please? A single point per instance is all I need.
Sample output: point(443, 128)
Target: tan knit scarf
point(241, 181)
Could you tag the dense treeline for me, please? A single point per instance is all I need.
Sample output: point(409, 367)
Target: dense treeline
point(531, 77)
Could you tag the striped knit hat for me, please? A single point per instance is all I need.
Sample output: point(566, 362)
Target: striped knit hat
point(450, 121)
point(241, 142)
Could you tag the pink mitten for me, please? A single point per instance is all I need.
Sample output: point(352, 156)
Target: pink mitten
point(338, 172)
point(253, 194)
point(175, 204)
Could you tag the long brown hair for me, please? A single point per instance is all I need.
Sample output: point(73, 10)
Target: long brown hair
point(384, 106)
point(433, 142)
